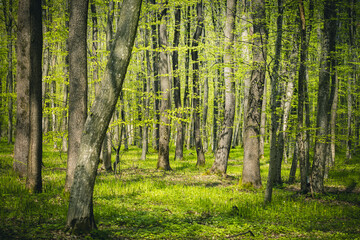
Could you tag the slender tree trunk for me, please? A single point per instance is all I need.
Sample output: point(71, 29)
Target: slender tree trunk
point(275, 154)
point(333, 122)
point(301, 97)
point(205, 113)
point(251, 168)
point(324, 97)
point(77, 83)
point(80, 217)
point(163, 159)
point(155, 59)
point(146, 101)
point(196, 90)
point(263, 121)
point(177, 88)
point(293, 166)
point(223, 150)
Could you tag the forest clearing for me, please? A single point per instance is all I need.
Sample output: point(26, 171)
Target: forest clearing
point(185, 203)
point(174, 119)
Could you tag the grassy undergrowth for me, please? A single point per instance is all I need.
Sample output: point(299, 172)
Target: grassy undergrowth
point(186, 203)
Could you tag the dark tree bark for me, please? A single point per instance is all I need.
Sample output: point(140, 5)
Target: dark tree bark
point(251, 169)
point(33, 14)
point(177, 88)
point(155, 60)
point(77, 83)
point(146, 101)
point(223, 149)
point(300, 138)
point(163, 158)
point(80, 217)
point(196, 89)
point(275, 154)
point(324, 97)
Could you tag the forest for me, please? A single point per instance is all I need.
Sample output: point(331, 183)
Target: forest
point(180, 119)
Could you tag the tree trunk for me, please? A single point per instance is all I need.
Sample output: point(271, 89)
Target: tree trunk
point(29, 47)
point(223, 149)
point(251, 168)
point(275, 154)
point(177, 88)
point(196, 90)
point(24, 73)
point(263, 121)
point(333, 122)
point(324, 100)
point(155, 59)
point(163, 158)
point(301, 97)
point(80, 216)
point(77, 83)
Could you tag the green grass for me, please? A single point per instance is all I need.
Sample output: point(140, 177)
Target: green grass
point(186, 203)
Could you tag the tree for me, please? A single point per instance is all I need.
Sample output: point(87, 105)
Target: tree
point(223, 149)
point(77, 83)
point(177, 87)
point(80, 217)
point(196, 89)
point(275, 153)
point(325, 97)
point(251, 169)
point(164, 130)
point(28, 146)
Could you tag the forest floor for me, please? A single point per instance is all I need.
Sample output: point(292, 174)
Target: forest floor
point(185, 203)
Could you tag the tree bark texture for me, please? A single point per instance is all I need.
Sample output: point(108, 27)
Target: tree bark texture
point(196, 88)
point(24, 74)
point(30, 70)
point(251, 169)
point(80, 216)
point(223, 149)
point(300, 138)
point(164, 137)
point(324, 97)
point(177, 88)
point(78, 84)
point(275, 154)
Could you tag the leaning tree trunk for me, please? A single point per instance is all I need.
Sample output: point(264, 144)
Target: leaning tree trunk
point(77, 83)
point(164, 130)
point(80, 216)
point(196, 89)
point(251, 169)
point(324, 97)
point(223, 149)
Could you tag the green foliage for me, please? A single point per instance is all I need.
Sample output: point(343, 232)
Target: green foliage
point(144, 203)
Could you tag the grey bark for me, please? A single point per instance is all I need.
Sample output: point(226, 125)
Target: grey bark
point(77, 83)
point(251, 168)
point(164, 130)
point(324, 97)
point(23, 76)
point(196, 90)
point(223, 149)
point(80, 216)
